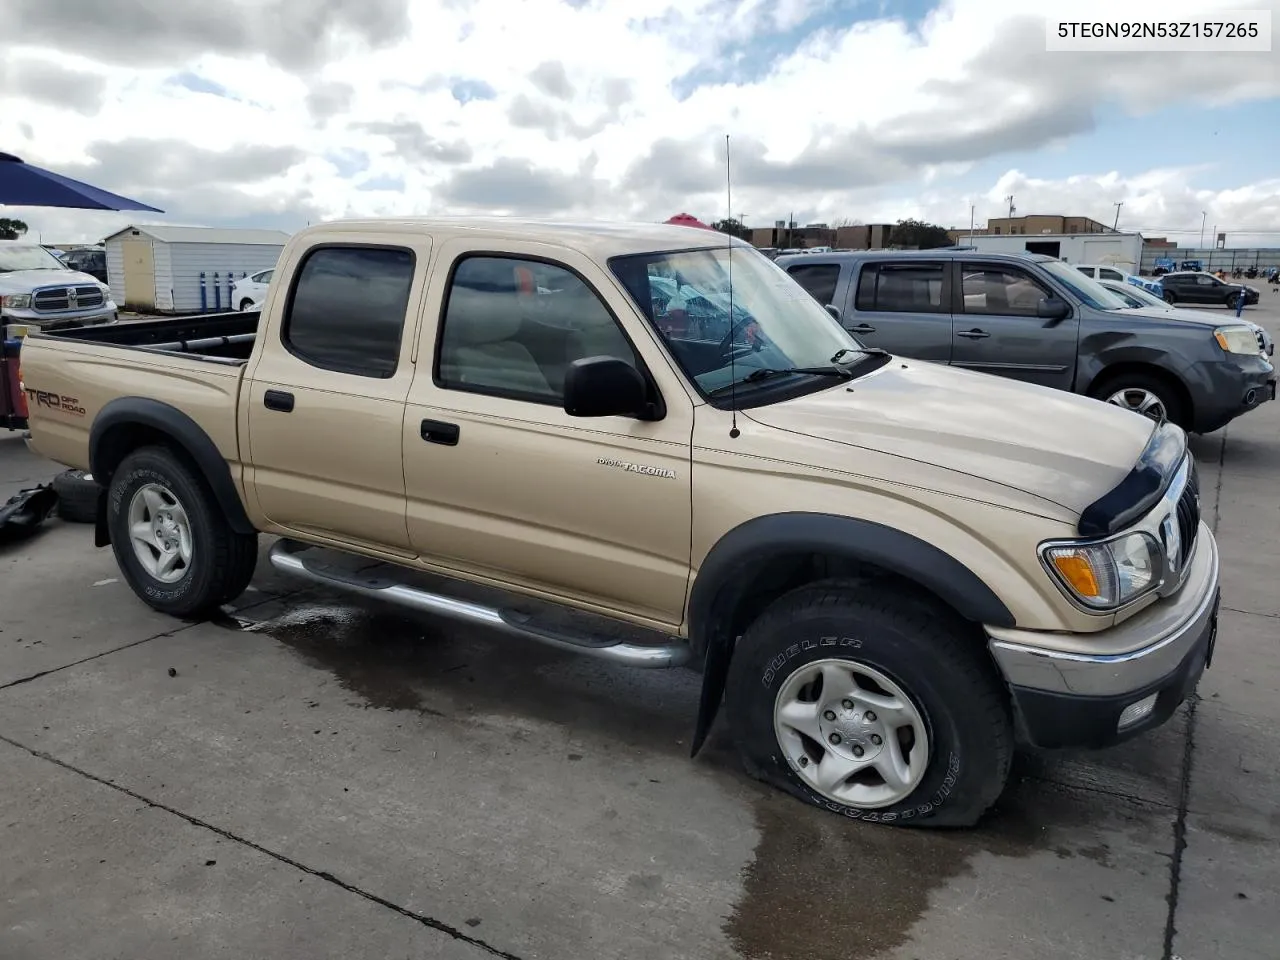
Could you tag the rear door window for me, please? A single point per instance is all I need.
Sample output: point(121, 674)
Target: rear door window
point(347, 309)
point(900, 288)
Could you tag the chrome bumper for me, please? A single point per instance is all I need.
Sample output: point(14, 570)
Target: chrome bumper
point(1134, 655)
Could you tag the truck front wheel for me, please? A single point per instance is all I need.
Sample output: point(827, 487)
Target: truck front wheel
point(170, 537)
point(869, 703)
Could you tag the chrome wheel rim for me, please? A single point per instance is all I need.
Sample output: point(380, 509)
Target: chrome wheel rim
point(851, 733)
point(1140, 400)
point(160, 533)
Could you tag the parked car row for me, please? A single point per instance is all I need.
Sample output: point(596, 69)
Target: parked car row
point(1102, 271)
point(651, 445)
point(1035, 318)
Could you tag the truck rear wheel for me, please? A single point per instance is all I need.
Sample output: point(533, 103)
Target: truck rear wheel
point(171, 539)
point(866, 702)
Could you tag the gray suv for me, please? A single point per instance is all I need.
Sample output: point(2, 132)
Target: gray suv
point(1035, 318)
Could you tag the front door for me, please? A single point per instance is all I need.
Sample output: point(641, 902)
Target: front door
point(325, 407)
point(902, 306)
point(1206, 289)
point(996, 328)
point(502, 482)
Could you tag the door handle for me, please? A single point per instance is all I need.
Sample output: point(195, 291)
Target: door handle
point(437, 431)
point(862, 328)
point(974, 334)
point(278, 400)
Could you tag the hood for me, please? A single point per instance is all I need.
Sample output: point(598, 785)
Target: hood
point(1063, 448)
point(1201, 317)
point(24, 281)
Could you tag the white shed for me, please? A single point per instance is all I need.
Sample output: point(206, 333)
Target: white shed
point(185, 269)
point(1122, 250)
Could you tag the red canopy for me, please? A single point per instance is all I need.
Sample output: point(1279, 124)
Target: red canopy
point(688, 220)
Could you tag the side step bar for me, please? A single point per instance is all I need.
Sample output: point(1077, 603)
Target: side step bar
point(381, 581)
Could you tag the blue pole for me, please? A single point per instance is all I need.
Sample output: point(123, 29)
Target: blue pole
point(1240, 302)
point(229, 282)
point(204, 296)
point(217, 292)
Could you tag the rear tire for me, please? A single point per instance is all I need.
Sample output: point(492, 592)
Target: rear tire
point(809, 675)
point(171, 539)
point(1169, 298)
point(77, 496)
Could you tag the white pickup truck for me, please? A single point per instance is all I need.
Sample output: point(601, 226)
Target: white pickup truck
point(39, 292)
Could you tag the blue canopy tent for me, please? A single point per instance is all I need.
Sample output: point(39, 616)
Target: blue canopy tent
point(22, 185)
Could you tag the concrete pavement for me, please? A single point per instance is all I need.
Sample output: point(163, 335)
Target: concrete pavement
point(311, 777)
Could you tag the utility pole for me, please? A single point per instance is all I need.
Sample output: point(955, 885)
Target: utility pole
point(1203, 215)
point(1118, 204)
point(971, 207)
point(1012, 208)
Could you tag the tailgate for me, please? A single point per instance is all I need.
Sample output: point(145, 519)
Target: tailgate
point(68, 383)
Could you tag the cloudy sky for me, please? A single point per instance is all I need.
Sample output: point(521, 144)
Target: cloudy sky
point(274, 113)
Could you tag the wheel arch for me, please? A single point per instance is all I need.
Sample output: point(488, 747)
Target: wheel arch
point(762, 559)
point(128, 423)
point(1115, 370)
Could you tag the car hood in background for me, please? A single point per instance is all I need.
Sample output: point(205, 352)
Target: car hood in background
point(25, 281)
point(1063, 448)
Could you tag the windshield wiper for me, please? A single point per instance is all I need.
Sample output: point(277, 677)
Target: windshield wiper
point(768, 373)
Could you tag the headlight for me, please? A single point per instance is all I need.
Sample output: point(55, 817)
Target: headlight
point(1110, 574)
point(1236, 339)
point(16, 301)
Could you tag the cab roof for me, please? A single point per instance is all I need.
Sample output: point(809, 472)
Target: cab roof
point(597, 239)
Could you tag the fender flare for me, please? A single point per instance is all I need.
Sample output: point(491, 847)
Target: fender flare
point(187, 435)
point(724, 578)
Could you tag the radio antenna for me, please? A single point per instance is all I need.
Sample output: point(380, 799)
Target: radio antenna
point(734, 432)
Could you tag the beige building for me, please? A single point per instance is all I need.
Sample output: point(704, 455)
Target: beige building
point(1032, 224)
point(862, 236)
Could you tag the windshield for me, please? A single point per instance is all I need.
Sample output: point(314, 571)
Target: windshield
point(27, 257)
point(774, 323)
point(1085, 288)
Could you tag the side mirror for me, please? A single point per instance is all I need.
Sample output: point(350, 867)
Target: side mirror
point(835, 312)
point(604, 387)
point(1052, 308)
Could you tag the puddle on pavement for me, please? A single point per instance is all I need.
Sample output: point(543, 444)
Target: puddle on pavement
point(448, 670)
point(825, 888)
point(819, 886)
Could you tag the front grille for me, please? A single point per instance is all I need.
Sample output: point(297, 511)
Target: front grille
point(59, 299)
point(1188, 511)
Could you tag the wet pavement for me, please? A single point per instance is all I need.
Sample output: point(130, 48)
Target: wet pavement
point(307, 776)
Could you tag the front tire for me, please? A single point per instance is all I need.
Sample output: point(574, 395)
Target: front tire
point(171, 539)
point(245, 304)
point(1169, 298)
point(1138, 392)
point(865, 701)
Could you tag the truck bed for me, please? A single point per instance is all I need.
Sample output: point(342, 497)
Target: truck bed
point(227, 337)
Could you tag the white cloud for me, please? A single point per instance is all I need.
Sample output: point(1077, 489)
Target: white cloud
point(873, 121)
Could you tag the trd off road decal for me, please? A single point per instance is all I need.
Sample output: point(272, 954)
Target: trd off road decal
point(54, 401)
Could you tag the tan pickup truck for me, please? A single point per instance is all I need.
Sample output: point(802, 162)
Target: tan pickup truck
point(649, 444)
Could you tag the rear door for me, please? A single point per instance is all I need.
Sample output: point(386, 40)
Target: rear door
point(325, 408)
point(997, 330)
point(902, 306)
